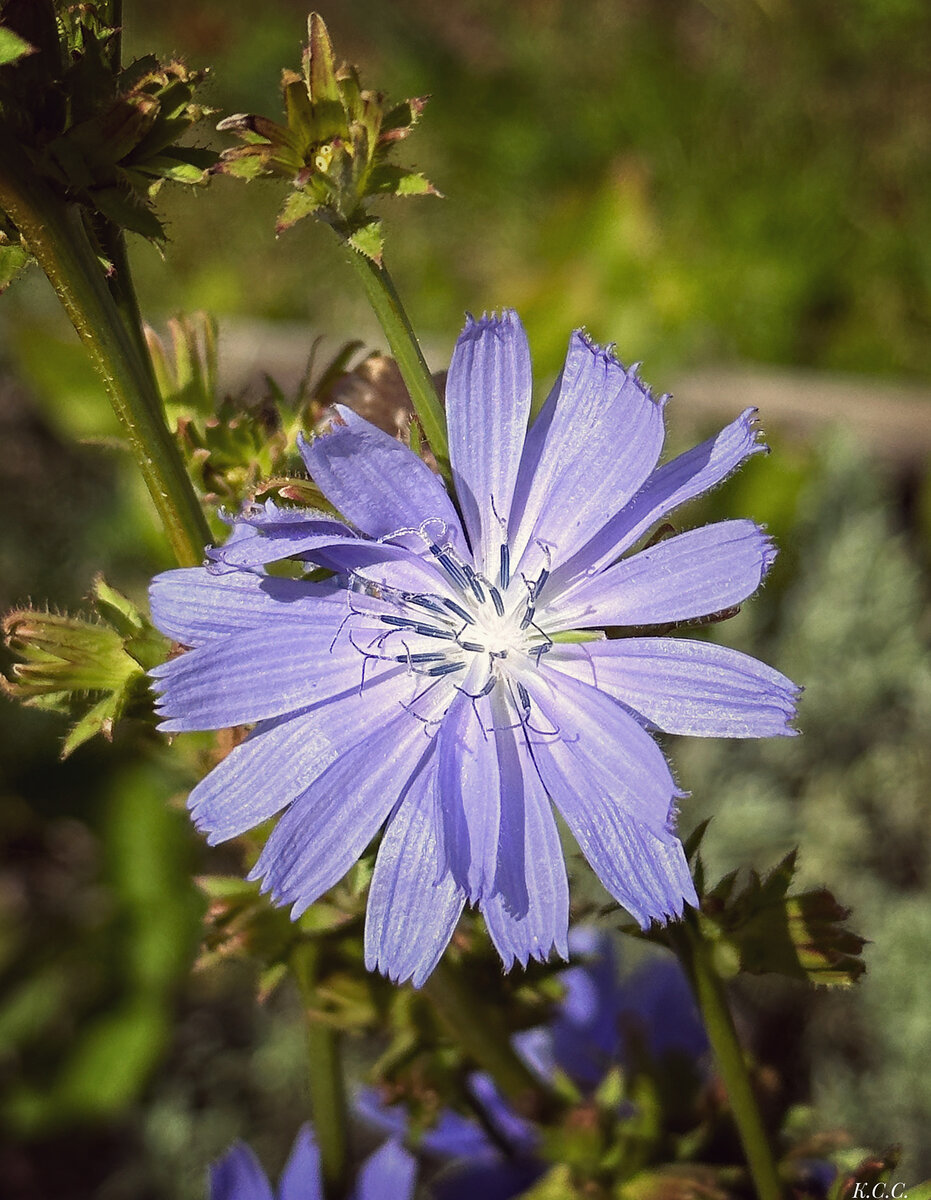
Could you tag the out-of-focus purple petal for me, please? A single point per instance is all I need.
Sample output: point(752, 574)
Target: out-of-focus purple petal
point(192, 606)
point(658, 998)
point(413, 903)
point(282, 757)
point(604, 434)
point(453, 1136)
point(599, 749)
point(326, 829)
point(501, 1180)
point(686, 687)
point(388, 1174)
point(691, 474)
point(519, 1134)
point(276, 668)
point(527, 818)
point(377, 483)
point(687, 576)
point(239, 1176)
point(488, 394)
point(301, 1178)
point(468, 783)
point(586, 1039)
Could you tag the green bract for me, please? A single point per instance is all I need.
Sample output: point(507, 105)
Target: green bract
point(334, 147)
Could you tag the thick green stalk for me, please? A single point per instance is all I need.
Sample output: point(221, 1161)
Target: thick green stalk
point(55, 234)
point(475, 1027)
point(402, 340)
point(325, 1077)
point(695, 955)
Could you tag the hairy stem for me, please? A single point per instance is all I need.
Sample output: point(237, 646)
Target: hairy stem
point(325, 1078)
point(694, 953)
point(474, 1026)
point(384, 299)
point(55, 234)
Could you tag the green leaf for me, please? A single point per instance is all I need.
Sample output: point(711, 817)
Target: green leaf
point(167, 166)
point(13, 47)
point(13, 261)
point(128, 212)
point(369, 240)
point(297, 206)
point(391, 180)
point(801, 936)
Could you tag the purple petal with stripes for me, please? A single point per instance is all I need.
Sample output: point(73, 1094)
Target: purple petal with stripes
point(329, 825)
point(528, 821)
point(488, 393)
point(469, 792)
point(691, 575)
point(281, 758)
point(691, 474)
point(604, 434)
point(413, 904)
point(192, 605)
point(686, 687)
point(378, 484)
point(595, 742)
point(259, 673)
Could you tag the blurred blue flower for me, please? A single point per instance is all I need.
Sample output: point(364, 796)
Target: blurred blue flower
point(451, 680)
point(388, 1174)
point(589, 1034)
point(600, 1015)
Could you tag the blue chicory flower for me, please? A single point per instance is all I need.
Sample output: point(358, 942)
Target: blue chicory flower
point(388, 1174)
point(451, 681)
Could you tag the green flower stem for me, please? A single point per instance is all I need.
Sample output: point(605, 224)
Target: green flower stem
point(694, 952)
point(384, 299)
point(325, 1077)
point(54, 233)
point(476, 1028)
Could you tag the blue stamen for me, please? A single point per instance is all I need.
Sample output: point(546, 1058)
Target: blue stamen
point(426, 602)
point(474, 583)
point(475, 647)
point(497, 601)
point(445, 669)
point(419, 658)
point(459, 611)
point(525, 620)
point(504, 572)
point(449, 565)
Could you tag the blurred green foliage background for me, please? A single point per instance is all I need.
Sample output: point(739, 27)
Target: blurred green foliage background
point(704, 182)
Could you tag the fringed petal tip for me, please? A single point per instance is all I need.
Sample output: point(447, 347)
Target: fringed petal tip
point(540, 953)
point(749, 421)
point(489, 322)
point(581, 338)
point(769, 552)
